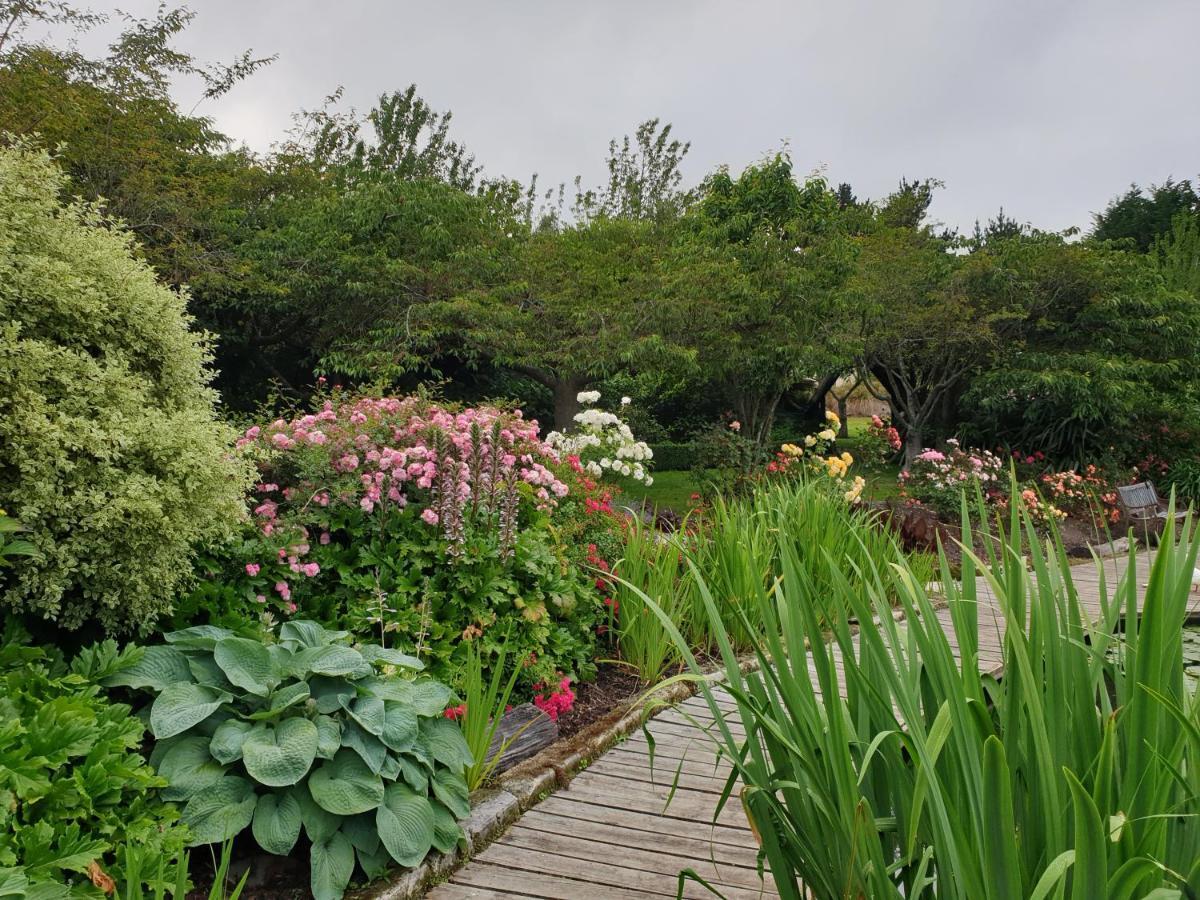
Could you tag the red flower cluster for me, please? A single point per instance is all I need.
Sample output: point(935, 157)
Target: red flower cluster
point(557, 701)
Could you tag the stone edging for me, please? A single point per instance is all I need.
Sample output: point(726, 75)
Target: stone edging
point(525, 785)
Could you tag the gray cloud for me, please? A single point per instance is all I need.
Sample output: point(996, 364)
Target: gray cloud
point(1048, 108)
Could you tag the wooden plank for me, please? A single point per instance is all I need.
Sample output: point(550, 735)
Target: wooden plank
point(651, 856)
point(603, 873)
point(697, 848)
point(507, 881)
point(651, 823)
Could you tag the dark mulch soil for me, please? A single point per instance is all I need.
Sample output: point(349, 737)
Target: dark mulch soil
point(615, 685)
point(271, 877)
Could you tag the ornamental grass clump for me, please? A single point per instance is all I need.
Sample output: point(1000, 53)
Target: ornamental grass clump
point(883, 765)
point(347, 744)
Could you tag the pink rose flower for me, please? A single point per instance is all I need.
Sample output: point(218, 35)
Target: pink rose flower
point(252, 569)
point(429, 517)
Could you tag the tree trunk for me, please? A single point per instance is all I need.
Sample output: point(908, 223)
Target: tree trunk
point(844, 428)
point(566, 402)
point(913, 445)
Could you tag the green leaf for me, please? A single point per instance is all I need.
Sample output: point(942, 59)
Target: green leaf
point(200, 637)
point(330, 692)
point(429, 698)
point(415, 774)
point(399, 727)
point(318, 823)
point(330, 660)
point(332, 864)
point(189, 768)
point(445, 743)
point(405, 822)
point(361, 831)
point(180, 706)
point(1090, 874)
point(446, 831)
point(451, 789)
point(247, 664)
point(309, 634)
point(367, 746)
point(159, 667)
point(374, 653)
point(329, 736)
point(374, 864)
point(227, 740)
point(280, 755)
point(276, 824)
point(1000, 833)
point(367, 712)
point(206, 671)
point(220, 812)
point(345, 785)
point(283, 699)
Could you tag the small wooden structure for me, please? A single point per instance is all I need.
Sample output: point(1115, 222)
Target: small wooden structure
point(1145, 508)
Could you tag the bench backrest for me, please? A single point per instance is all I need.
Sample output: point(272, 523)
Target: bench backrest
point(1139, 496)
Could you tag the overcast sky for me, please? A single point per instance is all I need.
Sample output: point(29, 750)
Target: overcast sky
point(1047, 108)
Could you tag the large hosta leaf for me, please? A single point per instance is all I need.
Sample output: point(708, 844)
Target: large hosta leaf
point(189, 768)
point(361, 831)
point(247, 664)
point(367, 746)
point(390, 657)
point(330, 660)
point(180, 706)
point(345, 785)
point(329, 736)
point(430, 698)
point(330, 692)
point(309, 634)
point(367, 712)
point(276, 824)
point(406, 825)
point(221, 811)
point(451, 789)
point(160, 665)
point(446, 831)
point(282, 754)
point(200, 637)
point(227, 740)
point(319, 824)
point(399, 726)
point(283, 699)
point(332, 864)
point(445, 743)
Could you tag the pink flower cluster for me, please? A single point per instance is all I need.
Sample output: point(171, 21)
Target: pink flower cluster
point(402, 449)
point(556, 701)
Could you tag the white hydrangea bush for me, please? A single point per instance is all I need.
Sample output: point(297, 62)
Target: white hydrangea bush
point(604, 443)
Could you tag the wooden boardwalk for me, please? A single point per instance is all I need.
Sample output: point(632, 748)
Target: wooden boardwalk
point(611, 835)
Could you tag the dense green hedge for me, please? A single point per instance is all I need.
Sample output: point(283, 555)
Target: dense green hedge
point(670, 456)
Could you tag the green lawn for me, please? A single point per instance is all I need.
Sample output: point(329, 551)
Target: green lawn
point(673, 490)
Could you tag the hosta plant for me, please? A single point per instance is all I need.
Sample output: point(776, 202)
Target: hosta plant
point(308, 734)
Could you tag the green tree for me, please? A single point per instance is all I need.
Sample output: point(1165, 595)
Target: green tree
point(921, 339)
point(754, 285)
point(110, 451)
point(1140, 217)
point(1177, 254)
point(1095, 347)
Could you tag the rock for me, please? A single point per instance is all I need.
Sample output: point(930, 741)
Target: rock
point(529, 729)
point(1119, 547)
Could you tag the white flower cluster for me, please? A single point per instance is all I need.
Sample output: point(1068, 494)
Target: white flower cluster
point(604, 443)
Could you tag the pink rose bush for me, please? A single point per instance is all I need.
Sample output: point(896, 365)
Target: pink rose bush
point(416, 525)
point(937, 478)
